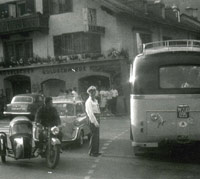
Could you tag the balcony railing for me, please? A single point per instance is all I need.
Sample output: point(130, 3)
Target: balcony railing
point(95, 29)
point(33, 22)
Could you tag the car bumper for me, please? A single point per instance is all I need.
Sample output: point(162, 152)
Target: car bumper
point(149, 144)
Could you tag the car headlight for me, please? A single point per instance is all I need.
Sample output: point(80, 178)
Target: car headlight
point(55, 130)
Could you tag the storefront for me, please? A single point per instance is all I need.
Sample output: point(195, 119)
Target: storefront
point(50, 79)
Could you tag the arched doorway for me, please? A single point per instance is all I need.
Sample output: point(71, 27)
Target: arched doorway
point(17, 84)
point(52, 87)
point(96, 80)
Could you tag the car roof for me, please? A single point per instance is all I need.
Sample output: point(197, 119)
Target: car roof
point(67, 99)
point(29, 94)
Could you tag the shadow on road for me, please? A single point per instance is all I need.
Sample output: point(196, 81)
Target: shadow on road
point(176, 154)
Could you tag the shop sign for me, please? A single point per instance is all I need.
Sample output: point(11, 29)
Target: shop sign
point(52, 70)
point(16, 72)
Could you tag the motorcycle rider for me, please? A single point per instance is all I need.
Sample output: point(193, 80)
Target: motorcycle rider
point(47, 116)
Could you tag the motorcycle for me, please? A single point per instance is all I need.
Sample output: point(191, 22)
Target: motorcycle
point(23, 138)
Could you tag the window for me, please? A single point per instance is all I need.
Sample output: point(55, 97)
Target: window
point(16, 50)
point(180, 77)
point(4, 11)
point(92, 19)
point(22, 99)
point(141, 39)
point(79, 109)
point(77, 43)
point(21, 8)
point(60, 6)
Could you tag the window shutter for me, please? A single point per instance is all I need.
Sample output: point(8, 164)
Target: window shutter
point(46, 4)
point(30, 6)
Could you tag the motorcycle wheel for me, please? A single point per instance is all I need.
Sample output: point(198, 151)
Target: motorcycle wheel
point(53, 156)
point(3, 150)
point(3, 158)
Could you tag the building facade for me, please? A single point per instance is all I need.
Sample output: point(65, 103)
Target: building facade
point(49, 45)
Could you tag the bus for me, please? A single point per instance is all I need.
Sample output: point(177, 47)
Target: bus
point(165, 94)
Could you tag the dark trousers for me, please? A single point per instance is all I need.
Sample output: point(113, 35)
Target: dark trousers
point(114, 105)
point(94, 139)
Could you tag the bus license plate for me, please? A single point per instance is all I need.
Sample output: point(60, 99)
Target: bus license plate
point(183, 111)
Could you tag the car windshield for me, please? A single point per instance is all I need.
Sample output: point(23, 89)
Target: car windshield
point(22, 99)
point(64, 109)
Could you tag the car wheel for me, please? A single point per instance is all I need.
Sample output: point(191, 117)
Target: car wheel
point(80, 140)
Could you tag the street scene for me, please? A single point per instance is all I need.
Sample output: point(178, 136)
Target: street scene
point(100, 89)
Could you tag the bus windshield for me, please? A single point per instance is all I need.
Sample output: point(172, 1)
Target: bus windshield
point(179, 77)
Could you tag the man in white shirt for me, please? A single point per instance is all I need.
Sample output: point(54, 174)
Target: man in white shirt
point(93, 112)
point(115, 94)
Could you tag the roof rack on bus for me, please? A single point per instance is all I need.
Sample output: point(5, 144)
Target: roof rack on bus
point(171, 45)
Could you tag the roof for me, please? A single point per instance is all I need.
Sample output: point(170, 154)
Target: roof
point(29, 94)
point(134, 8)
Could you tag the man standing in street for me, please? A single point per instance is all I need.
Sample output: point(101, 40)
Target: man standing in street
point(93, 112)
point(115, 94)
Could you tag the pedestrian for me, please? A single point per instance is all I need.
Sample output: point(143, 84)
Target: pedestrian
point(93, 112)
point(114, 100)
point(109, 100)
point(74, 92)
point(103, 99)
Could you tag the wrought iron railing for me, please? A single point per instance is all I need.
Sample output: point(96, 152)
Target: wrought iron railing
point(25, 23)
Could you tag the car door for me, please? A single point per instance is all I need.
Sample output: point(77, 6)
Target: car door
point(67, 116)
point(82, 118)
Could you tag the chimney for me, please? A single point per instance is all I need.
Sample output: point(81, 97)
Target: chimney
point(177, 12)
point(156, 8)
point(172, 13)
point(193, 12)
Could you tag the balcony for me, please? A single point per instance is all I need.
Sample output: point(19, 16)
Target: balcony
point(95, 29)
point(28, 23)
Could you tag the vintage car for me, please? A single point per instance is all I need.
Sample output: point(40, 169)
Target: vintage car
point(74, 120)
point(24, 104)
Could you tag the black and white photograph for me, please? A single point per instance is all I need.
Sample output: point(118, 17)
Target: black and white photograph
point(100, 89)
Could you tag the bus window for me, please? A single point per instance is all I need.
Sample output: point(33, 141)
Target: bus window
point(180, 77)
